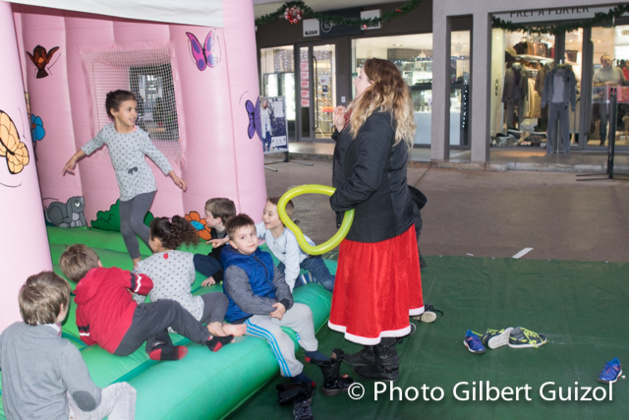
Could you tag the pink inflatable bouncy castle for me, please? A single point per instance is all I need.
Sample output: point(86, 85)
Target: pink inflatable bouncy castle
point(192, 80)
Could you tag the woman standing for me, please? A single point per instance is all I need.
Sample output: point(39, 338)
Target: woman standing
point(378, 281)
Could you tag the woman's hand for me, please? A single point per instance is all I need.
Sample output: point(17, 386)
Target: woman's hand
point(339, 117)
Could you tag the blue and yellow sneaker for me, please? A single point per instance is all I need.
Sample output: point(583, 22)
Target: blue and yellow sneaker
point(520, 337)
point(473, 343)
point(496, 338)
point(611, 372)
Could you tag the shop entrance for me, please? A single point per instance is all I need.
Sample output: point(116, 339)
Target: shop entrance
point(316, 91)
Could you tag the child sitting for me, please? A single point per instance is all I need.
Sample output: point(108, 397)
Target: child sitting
point(283, 244)
point(217, 212)
point(107, 315)
point(259, 297)
point(173, 272)
point(43, 375)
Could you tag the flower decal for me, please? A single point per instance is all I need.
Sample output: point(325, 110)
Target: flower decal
point(199, 224)
point(37, 132)
point(37, 128)
point(11, 146)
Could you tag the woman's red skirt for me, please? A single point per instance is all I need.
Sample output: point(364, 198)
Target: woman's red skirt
point(377, 287)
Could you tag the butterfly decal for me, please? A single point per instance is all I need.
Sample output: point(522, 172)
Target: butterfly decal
point(11, 147)
point(208, 54)
point(255, 125)
point(41, 58)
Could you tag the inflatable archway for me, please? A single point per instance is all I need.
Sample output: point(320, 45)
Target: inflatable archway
point(66, 61)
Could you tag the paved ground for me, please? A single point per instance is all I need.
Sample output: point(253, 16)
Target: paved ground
point(490, 213)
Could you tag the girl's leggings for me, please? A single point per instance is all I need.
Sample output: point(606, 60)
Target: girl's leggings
point(132, 214)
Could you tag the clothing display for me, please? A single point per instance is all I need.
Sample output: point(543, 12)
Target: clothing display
point(559, 92)
point(515, 91)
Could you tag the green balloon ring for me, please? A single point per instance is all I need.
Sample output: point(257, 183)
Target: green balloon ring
point(301, 239)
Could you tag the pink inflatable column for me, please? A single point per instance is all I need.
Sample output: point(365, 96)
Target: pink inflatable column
point(23, 240)
point(242, 64)
point(220, 159)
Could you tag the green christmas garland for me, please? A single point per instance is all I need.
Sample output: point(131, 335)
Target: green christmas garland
point(599, 18)
point(335, 19)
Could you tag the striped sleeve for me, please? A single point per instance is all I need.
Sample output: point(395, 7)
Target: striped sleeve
point(140, 283)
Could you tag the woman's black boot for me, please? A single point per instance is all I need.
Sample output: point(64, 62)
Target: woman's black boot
point(360, 358)
point(385, 365)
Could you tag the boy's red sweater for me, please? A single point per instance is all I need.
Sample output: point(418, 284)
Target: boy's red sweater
point(104, 305)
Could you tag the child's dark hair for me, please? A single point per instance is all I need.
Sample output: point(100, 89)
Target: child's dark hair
point(115, 98)
point(237, 222)
point(290, 207)
point(174, 231)
point(77, 260)
point(41, 297)
point(222, 208)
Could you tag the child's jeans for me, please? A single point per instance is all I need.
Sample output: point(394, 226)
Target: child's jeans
point(317, 268)
point(117, 402)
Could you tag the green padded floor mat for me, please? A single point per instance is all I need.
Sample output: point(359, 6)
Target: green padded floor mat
point(580, 306)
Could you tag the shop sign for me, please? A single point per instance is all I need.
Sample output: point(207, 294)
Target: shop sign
point(546, 15)
point(371, 14)
point(310, 27)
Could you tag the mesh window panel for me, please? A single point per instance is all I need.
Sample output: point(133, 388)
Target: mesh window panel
point(148, 74)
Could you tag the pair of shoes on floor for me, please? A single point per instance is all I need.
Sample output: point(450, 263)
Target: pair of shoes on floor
point(518, 337)
point(611, 372)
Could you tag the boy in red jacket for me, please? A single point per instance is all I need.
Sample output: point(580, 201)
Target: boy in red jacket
point(106, 313)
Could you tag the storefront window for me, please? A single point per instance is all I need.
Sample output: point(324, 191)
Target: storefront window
point(520, 64)
point(412, 54)
point(277, 71)
point(610, 69)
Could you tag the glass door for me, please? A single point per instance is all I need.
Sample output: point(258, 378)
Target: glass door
point(324, 92)
point(317, 91)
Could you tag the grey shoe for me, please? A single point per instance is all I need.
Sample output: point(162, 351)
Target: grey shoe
point(496, 338)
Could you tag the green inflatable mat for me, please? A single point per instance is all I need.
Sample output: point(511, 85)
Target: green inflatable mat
point(203, 385)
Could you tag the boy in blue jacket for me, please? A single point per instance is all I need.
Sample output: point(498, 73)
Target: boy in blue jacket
point(260, 298)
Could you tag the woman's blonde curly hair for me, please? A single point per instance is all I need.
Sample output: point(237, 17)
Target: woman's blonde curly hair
point(387, 92)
